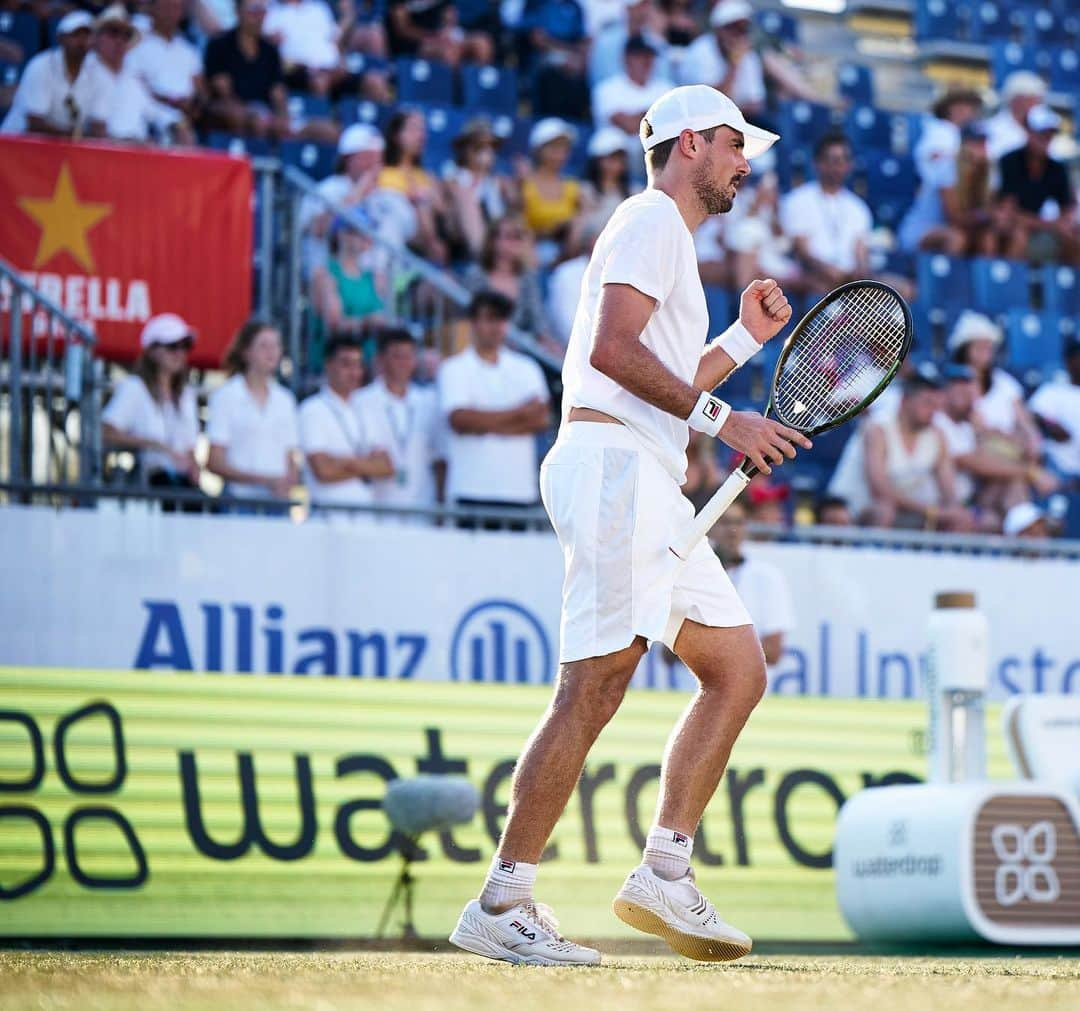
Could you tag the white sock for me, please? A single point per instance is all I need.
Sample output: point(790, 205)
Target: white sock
point(508, 882)
point(667, 852)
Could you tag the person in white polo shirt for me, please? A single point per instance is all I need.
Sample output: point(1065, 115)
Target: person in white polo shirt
point(495, 401)
point(133, 113)
point(63, 91)
point(725, 57)
point(401, 418)
point(252, 425)
point(153, 411)
point(339, 460)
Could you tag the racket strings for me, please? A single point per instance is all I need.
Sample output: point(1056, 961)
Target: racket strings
point(840, 357)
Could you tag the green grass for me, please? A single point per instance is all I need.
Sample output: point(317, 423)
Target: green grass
point(209, 981)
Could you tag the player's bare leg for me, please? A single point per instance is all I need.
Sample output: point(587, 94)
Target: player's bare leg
point(660, 897)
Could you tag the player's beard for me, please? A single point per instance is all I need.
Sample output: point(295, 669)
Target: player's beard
point(713, 197)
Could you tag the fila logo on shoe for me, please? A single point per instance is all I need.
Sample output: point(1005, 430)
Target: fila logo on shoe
point(523, 930)
point(507, 865)
point(680, 839)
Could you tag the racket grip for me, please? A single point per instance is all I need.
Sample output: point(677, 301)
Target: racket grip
point(703, 522)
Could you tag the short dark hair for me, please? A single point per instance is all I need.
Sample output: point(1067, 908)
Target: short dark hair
point(831, 138)
point(394, 335)
point(337, 344)
point(829, 502)
point(494, 302)
point(659, 155)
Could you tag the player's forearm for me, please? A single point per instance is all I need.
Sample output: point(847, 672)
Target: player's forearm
point(715, 366)
point(638, 371)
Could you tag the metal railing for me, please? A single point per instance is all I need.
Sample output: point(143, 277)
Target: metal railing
point(50, 390)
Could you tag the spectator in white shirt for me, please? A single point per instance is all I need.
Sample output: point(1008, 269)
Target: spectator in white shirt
point(252, 419)
point(309, 40)
point(1056, 408)
point(133, 113)
point(622, 100)
point(495, 401)
point(1006, 130)
point(725, 58)
point(153, 411)
point(62, 92)
point(829, 225)
point(339, 460)
point(402, 419)
point(636, 17)
point(171, 68)
point(761, 586)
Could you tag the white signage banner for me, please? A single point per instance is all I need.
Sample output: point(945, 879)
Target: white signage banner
point(129, 588)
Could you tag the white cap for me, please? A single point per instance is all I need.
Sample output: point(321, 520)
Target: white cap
point(115, 14)
point(73, 21)
point(1042, 117)
point(607, 140)
point(550, 129)
point(1022, 82)
point(1020, 517)
point(360, 137)
point(168, 328)
point(971, 326)
point(727, 12)
point(700, 107)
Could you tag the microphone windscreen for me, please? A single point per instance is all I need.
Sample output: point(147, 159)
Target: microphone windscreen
point(430, 802)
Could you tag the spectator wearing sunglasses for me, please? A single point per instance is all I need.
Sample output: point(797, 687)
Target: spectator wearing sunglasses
point(152, 412)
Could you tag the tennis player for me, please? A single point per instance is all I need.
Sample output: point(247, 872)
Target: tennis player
point(637, 377)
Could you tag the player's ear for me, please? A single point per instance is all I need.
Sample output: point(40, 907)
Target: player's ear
point(688, 143)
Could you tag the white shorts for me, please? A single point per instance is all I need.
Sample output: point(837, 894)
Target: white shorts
point(615, 508)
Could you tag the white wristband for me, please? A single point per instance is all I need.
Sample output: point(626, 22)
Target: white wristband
point(738, 342)
point(709, 415)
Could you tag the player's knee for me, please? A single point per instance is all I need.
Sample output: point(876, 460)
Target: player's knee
point(593, 699)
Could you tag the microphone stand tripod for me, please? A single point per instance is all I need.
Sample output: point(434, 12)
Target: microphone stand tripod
point(402, 892)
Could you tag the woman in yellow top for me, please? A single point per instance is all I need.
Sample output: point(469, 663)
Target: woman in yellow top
point(403, 174)
point(549, 201)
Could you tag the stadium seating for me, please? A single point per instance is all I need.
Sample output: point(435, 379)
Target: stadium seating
point(890, 187)
point(1033, 343)
point(937, 19)
point(997, 285)
point(443, 125)
point(22, 28)
point(1005, 57)
point(855, 83)
point(236, 145)
point(303, 107)
point(778, 26)
point(943, 281)
point(868, 128)
point(424, 81)
point(317, 160)
point(1061, 290)
point(802, 123)
point(491, 89)
point(352, 110)
point(1065, 70)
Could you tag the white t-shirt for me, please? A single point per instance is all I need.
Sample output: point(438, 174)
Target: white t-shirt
point(996, 408)
point(1060, 402)
point(960, 439)
point(167, 67)
point(135, 412)
point(132, 109)
point(409, 428)
point(1003, 134)
point(329, 425)
point(939, 141)
point(705, 64)
point(764, 590)
point(619, 94)
point(832, 222)
point(501, 468)
point(44, 90)
point(564, 290)
point(257, 437)
point(647, 245)
point(308, 33)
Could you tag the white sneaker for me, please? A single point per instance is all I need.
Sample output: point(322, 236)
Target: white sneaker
point(526, 934)
point(680, 914)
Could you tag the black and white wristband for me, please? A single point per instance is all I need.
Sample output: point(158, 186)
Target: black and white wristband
point(709, 415)
point(738, 343)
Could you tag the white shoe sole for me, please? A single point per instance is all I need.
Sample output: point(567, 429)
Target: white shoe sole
point(470, 937)
point(695, 946)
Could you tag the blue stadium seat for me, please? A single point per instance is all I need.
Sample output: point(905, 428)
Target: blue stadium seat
point(22, 28)
point(9, 74)
point(991, 21)
point(317, 160)
point(933, 322)
point(891, 182)
point(303, 107)
point(253, 147)
point(936, 19)
point(856, 83)
point(1065, 70)
point(362, 63)
point(353, 110)
point(802, 123)
point(1040, 26)
point(998, 285)
point(868, 127)
point(1061, 289)
point(494, 89)
point(794, 165)
point(424, 81)
point(779, 26)
point(944, 282)
point(1005, 57)
point(1034, 344)
point(443, 125)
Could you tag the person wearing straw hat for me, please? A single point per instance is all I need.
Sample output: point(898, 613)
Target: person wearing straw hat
point(62, 91)
point(132, 112)
point(636, 381)
point(477, 195)
point(1007, 128)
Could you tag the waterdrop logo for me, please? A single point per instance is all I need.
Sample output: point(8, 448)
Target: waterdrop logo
point(500, 641)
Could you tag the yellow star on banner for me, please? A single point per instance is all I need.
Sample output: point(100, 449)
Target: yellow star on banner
point(64, 221)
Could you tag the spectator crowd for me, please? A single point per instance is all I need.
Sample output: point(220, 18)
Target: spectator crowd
point(514, 215)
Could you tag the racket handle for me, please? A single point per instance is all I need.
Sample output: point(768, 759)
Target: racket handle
point(703, 522)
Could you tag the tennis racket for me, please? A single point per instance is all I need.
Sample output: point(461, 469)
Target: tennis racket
point(835, 364)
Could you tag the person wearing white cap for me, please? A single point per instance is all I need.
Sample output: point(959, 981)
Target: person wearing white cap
point(153, 411)
point(62, 92)
point(1025, 519)
point(635, 17)
point(550, 201)
point(133, 113)
point(1036, 191)
point(725, 57)
point(636, 379)
point(605, 186)
point(1006, 130)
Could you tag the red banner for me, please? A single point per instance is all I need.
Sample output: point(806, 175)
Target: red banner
point(116, 235)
